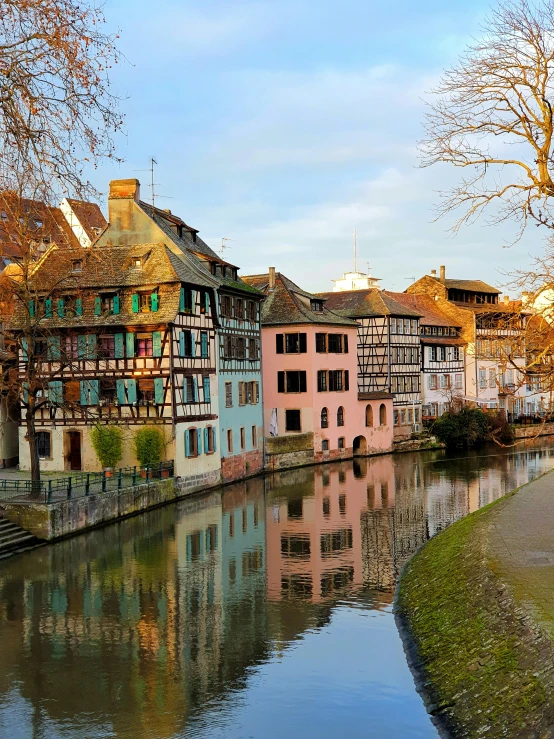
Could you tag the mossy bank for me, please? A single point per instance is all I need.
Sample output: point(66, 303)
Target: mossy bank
point(482, 664)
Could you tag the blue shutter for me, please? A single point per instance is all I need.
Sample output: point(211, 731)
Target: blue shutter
point(25, 392)
point(207, 397)
point(192, 344)
point(81, 347)
point(131, 390)
point(157, 344)
point(53, 347)
point(199, 440)
point(97, 306)
point(214, 437)
point(182, 344)
point(116, 304)
point(182, 300)
point(48, 308)
point(154, 302)
point(193, 301)
point(206, 442)
point(130, 344)
point(207, 299)
point(120, 387)
point(119, 346)
point(32, 308)
point(93, 388)
point(187, 444)
point(159, 390)
point(195, 390)
point(84, 392)
point(204, 344)
point(61, 308)
point(79, 306)
point(135, 303)
point(91, 346)
point(55, 392)
point(24, 349)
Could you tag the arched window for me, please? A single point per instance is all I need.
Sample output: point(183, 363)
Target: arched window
point(324, 418)
point(382, 415)
point(368, 416)
point(340, 416)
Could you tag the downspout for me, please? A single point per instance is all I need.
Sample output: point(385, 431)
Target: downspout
point(388, 356)
point(171, 375)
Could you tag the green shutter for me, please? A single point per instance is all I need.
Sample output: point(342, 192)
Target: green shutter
point(32, 308)
point(214, 437)
point(82, 347)
point(119, 346)
point(48, 308)
point(55, 392)
point(116, 304)
point(135, 303)
point(84, 392)
point(25, 392)
point(157, 344)
point(93, 388)
point(61, 308)
point(79, 306)
point(204, 344)
point(199, 440)
point(187, 443)
point(182, 300)
point(192, 344)
point(154, 302)
point(130, 344)
point(192, 301)
point(97, 306)
point(91, 346)
point(120, 387)
point(206, 441)
point(207, 397)
point(53, 347)
point(131, 390)
point(182, 344)
point(24, 349)
point(159, 390)
point(194, 390)
point(207, 300)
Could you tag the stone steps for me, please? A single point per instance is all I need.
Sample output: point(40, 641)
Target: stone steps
point(14, 539)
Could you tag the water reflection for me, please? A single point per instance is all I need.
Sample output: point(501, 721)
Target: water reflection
point(264, 611)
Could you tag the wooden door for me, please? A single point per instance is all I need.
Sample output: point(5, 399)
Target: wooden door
point(74, 450)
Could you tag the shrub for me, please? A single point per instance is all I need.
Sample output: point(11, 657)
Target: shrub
point(107, 441)
point(149, 446)
point(499, 428)
point(466, 428)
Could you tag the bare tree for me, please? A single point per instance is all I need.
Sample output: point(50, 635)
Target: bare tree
point(492, 116)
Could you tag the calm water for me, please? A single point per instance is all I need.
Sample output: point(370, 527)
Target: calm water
point(262, 612)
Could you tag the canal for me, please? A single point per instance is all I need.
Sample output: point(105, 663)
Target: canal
point(264, 611)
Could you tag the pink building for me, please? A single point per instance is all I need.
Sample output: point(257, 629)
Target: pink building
point(312, 409)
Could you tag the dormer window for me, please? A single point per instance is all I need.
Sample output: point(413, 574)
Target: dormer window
point(38, 223)
point(137, 262)
point(76, 264)
point(317, 306)
point(4, 215)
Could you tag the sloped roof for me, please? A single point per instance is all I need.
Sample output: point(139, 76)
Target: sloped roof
point(475, 286)
point(366, 303)
point(284, 305)
point(90, 217)
point(431, 315)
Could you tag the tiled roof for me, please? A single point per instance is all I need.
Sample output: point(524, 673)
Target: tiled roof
point(366, 303)
point(443, 340)
point(284, 304)
point(476, 286)
point(431, 315)
point(90, 217)
point(377, 395)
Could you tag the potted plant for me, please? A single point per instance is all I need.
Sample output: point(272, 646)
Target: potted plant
point(107, 441)
point(149, 448)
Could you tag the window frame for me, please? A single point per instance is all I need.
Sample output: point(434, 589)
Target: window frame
point(287, 417)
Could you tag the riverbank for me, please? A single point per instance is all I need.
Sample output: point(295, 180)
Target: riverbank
point(475, 607)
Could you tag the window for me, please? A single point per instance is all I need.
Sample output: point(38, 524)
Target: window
point(369, 416)
point(242, 439)
point(107, 303)
point(482, 378)
point(77, 265)
point(144, 302)
point(455, 353)
point(191, 443)
point(433, 354)
point(335, 380)
point(325, 448)
point(414, 326)
point(291, 382)
point(321, 343)
point(226, 306)
point(317, 305)
point(324, 418)
point(108, 392)
point(492, 377)
point(252, 311)
point(239, 309)
point(396, 418)
point(458, 381)
point(240, 343)
point(185, 346)
point(252, 392)
point(340, 416)
point(292, 420)
point(393, 325)
point(243, 393)
point(254, 437)
point(188, 390)
point(403, 418)
point(145, 391)
point(230, 441)
point(341, 446)
point(44, 444)
point(322, 381)
point(335, 343)
point(442, 353)
point(290, 343)
point(433, 382)
point(444, 381)
point(107, 346)
point(252, 349)
point(228, 394)
point(209, 433)
point(382, 415)
point(72, 347)
point(144, 345)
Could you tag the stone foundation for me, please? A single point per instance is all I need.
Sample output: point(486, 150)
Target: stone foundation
point(242, 465)
point(196, 483)
point(533, 430)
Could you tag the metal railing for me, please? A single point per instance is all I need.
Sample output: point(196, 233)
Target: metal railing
point(55, 489)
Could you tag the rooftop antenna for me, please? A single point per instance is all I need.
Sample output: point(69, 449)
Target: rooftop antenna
point(355, 252)
point(152, 183)
point(224, 245)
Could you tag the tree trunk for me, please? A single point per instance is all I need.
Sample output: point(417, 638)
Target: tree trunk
point(33, 453)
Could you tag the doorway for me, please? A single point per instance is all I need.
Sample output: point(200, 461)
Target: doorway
point(74, 455)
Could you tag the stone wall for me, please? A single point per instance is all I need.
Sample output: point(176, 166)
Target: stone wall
point(242, 465)
point(283, 452)
point(533, 430)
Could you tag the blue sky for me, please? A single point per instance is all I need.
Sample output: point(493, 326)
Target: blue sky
point(284, 125)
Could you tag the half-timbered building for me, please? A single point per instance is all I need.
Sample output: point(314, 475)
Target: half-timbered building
point(388, 350)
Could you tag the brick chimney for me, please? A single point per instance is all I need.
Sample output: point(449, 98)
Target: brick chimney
point(506, 299)
point(433, 273)
point(124, 190)
point(443, 274)
point(272, 278)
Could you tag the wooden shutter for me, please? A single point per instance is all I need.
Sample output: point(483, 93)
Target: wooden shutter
point(187, 443)
point(79, 307)
point(159, 390)
point(192, 301)
point(120, 387)
point(93, 389)
point(119, 346)
point(199, 441)
point(48, 308)
point(154, 299)
point(32, 308)
point(157, 344)
point(135, 303)
point(279, 344)
point(182, 344)
point(97, 306)
point(84, 392)
point(182, 300)
point(130, 344)
point(61, 308)
point(24, 349)
point(280, 382)
point(346, 343)
point(192, 344)
point(194, 390)
point(207, 301)
point(82, 346)
point(55, 392)
point(204, 344)
point(54, 349)
point(116, 304)
point(91, 346)
point(131, 390)
point(206, 441)
point(214, 437)
point(303, 343)
point(346, 380)
point(207, 396)
point(303, 382)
